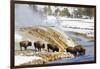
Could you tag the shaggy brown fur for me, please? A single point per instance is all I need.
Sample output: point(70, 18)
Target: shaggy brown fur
point(25, 44)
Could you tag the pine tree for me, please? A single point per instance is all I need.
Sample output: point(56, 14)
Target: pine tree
point(56, 11)
point(49, 10)
point(89, 12)
point(65, 12)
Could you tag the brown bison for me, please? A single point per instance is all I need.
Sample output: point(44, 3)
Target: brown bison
point(52, 47)
point(39, 45)
point(77, 50)
point(80, 50)
point(72, 50)
point(25, 44)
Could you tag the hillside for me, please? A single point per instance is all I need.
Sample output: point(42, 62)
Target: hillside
point(46, 34)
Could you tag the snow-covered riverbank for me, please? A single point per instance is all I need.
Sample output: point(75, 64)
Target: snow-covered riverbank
point(23, 59)
point(40, 57)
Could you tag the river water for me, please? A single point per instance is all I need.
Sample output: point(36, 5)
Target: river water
point(89, 45)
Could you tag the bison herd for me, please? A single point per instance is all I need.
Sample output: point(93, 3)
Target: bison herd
point(38, 45)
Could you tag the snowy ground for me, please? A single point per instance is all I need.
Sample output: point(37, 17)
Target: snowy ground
point(85, 26)
point(23, 59)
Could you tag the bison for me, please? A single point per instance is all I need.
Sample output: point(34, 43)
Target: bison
point(25, 44)
point(52, 47)
point(80, 50)
point(39, 45)
point(71, 50)
point(77, 50)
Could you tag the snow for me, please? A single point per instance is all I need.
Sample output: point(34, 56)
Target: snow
point(41, 27)
point(18, 37)
point(77, 23)
point(23, 59)
point(51, 21)
point(85, 26)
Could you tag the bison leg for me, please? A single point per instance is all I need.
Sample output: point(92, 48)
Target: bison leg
point(82, 53)
point(35, 49)
point(53, 50)
point(25, 48)
point(75, 54)
point(48, 49)
point(21, 48)
point(40, 49)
